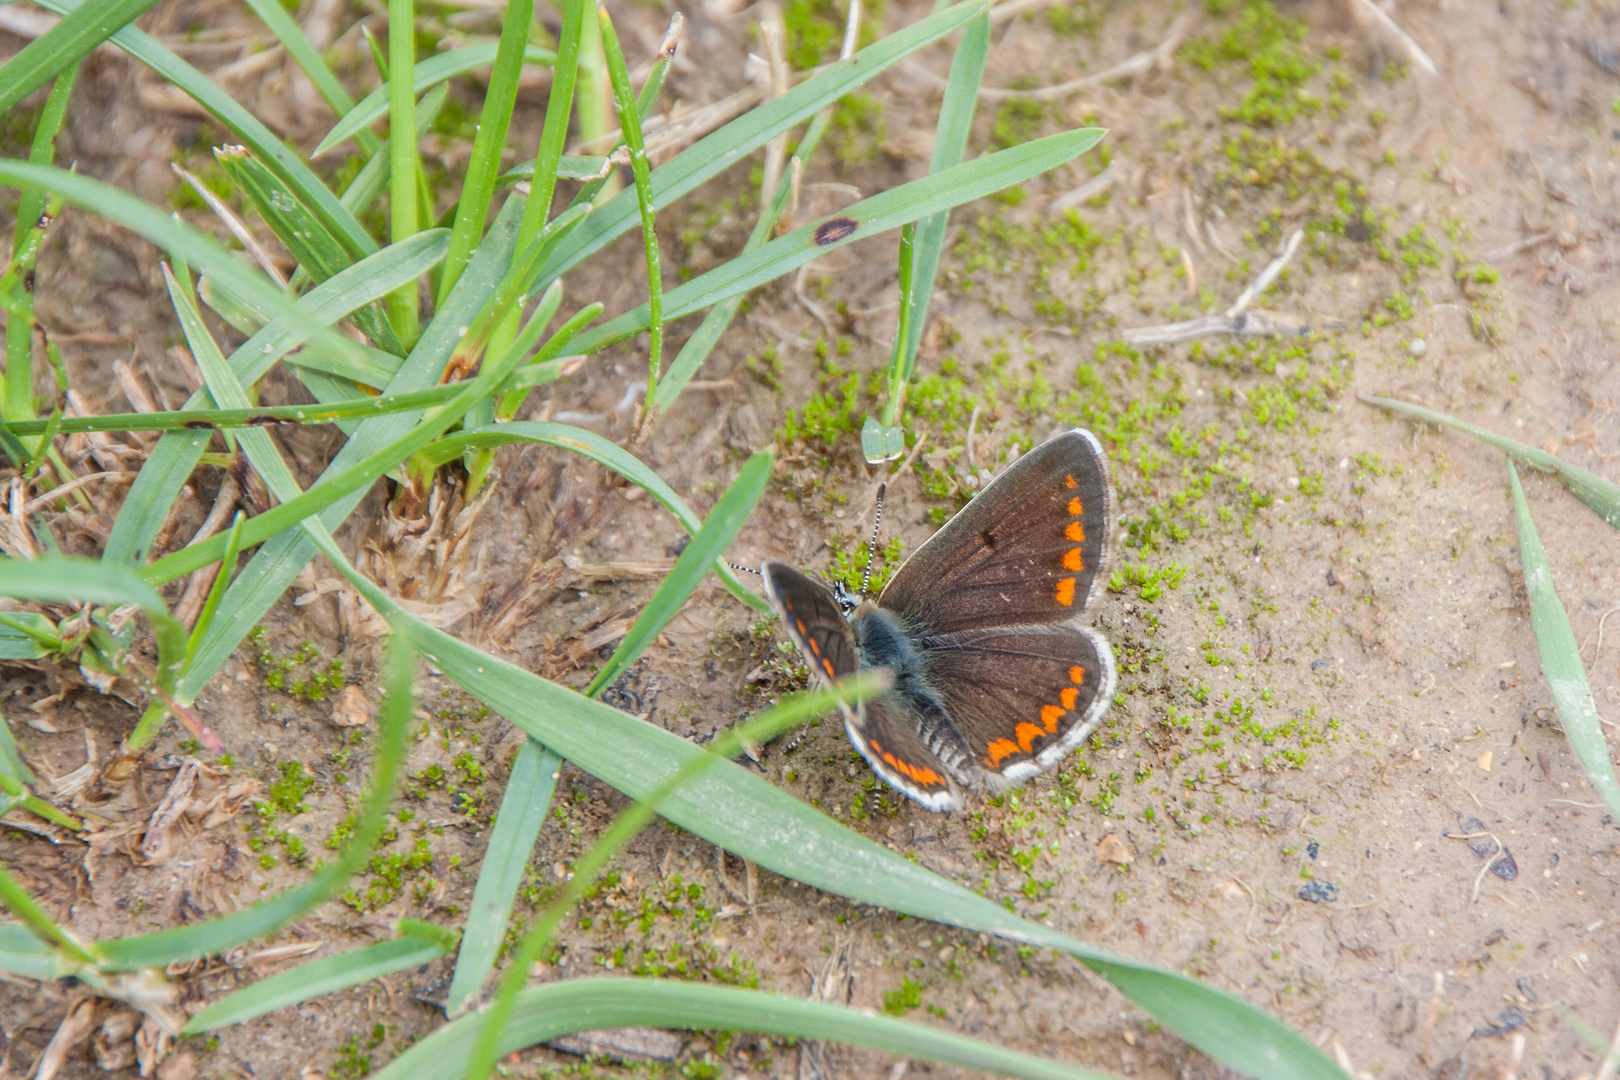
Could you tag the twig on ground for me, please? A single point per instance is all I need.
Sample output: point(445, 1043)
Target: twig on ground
point(1433, 1014)
point(1238, 320)
point(1370, 14)
point(1267, 276)
point(1158, 57)
point(1523, 245)
point(238, 228)
point(1088, 190)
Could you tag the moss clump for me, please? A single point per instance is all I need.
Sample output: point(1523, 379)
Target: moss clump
point(1272, 46)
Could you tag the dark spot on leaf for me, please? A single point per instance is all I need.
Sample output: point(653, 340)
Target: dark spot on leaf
point(830, 232)
point(199, 425)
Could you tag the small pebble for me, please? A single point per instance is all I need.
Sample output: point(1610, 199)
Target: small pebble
point(1417, 347)
point(1319, 892)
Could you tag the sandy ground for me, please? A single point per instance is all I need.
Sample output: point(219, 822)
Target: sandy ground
point(1328, 672)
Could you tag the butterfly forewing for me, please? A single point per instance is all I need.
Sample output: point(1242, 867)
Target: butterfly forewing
point(1028, 549)
point(812, 619)
point(1022, 696)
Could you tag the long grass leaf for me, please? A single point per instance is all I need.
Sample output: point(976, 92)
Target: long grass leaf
point(244, 125)
point(273, 568)
point(1603, 496)
point(717, 152)
point(373, 175)
point(472, 208)
point(693, 565)
point(869, 217)
point(561, 1008)
point(928, 234)
point(427, 74)
point(602, 451)
point(171, 462)
point(312, 980)
point(215, 936)
point(63, 46)
point(1561, 657)
point(23, 953)
point(506, 859)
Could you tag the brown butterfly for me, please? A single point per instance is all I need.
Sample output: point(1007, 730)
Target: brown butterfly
point(993, 679)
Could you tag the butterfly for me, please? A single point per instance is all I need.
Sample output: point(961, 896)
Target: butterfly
point(993, 679)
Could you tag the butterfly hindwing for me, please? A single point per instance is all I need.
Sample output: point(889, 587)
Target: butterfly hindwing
point(1028, 549)
point(886, 733)
point(1022, 697)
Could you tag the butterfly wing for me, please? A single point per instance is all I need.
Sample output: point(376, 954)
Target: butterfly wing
point(1022, 697)
point(884, 729)
point(1030, 548)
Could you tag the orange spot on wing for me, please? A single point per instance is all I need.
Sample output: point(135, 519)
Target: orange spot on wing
point(802, 630)
point(1073, 561)
point(1070, 482)
point(1076, 532)
point(1027, 734)
point(826, 663)
point(919, 773)
point(999, 749)
point(1069, 695)
point(1050, 715)
point(1065, 592)
point(814, 647)
point(1077, 675)
point(1074, 507)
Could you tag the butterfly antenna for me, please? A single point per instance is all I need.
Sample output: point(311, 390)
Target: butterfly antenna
point(742, 569)
point(871, 546)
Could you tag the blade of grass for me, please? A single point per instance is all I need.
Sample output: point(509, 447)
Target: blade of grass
point(693, 565)
point(472, 209)
point(427, 74)
point(624, 101)
point(281, 24)
point(26, 241)
point(184, 943)
point(921, 255)
point(22, 953)
point(170, 463)
point(1561, 657)
point(603, 452)
point(869, 217)
point(717, 152)
point(373, 176)
point(273, 568)
point(1601, 495)
point(560, 1008)
point(315, 979)
point(402, 166)
point(63, 46)
point(506, 859)
point(626, 825)
point(244, 125)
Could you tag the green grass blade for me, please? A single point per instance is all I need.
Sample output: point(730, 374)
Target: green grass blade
point(166, 469)
point(244, 125)
point(402, 153)
point(184, 943)
point(603, 452)
point(624, 101)
point(63, 46)
point(1601, 495)
point(506, 860)
point(373, 176)
point(275, 16)
point(472, 209)
point(693, 565)
point(14, 771)
point(559, 107)
point(313, 980)
point(715, 153)
point(928, 235)
point(1561, 657)
point(428, 73)
point(66, 949)
point(273, 568)
point(22, 953)
point(545, 1012)
point(869, 217)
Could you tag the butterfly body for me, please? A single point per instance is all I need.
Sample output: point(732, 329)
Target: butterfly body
point(993, 680)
